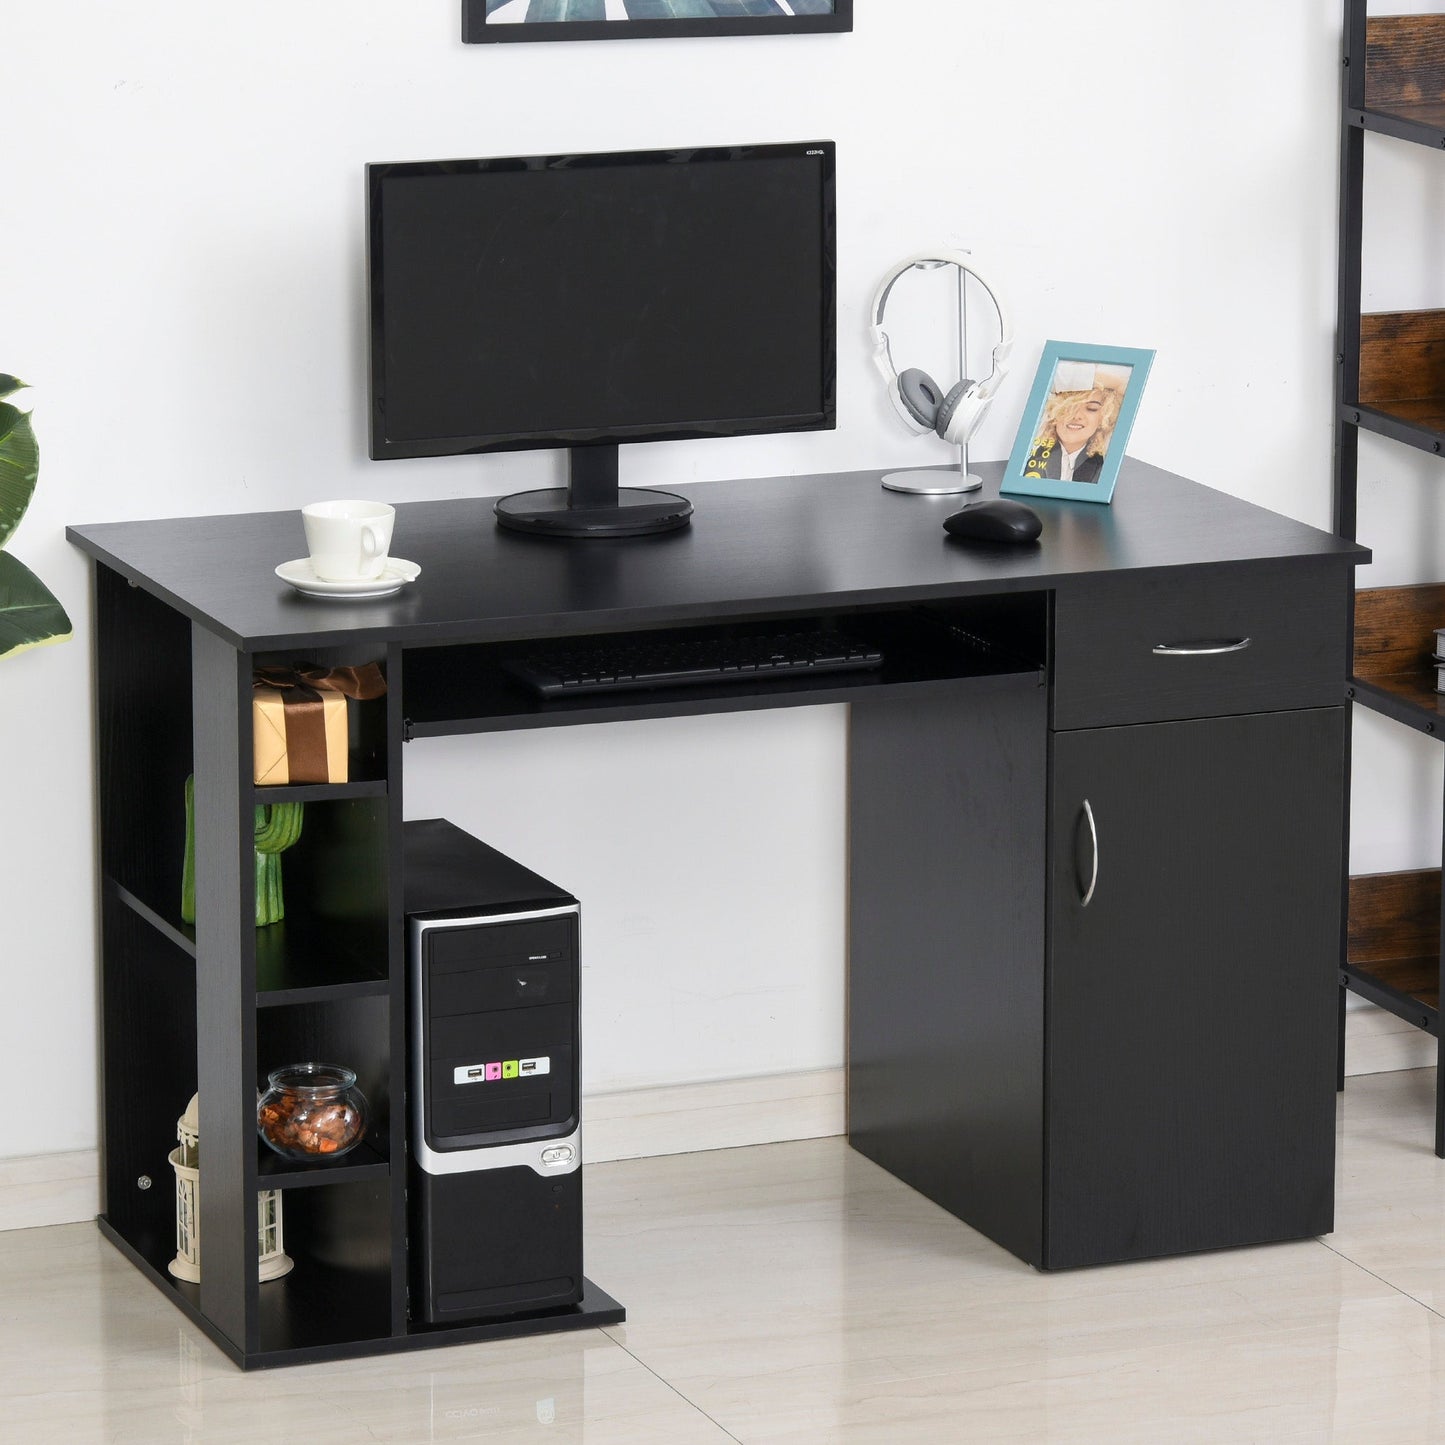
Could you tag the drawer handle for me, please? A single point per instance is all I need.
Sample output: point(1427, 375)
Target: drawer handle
point(1201, 649)
point(1094, 840)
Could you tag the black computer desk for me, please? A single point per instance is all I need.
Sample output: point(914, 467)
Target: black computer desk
point(1096, 820)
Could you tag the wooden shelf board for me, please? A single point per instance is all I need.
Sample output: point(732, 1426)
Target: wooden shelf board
point(302, 957)
point(467, 689)
point(308, 962)
point(1393, 949)
point(323, 992)
point(320, 792)
point(321, 1306)
point(150, 1256)
point(308, 1319)
point(314, 1307)
point(362, 1163)
point(1415, 978)
point(1409, 698)
point(1421, 437)
point(1417, 421)
point(1402, 377)
point(596, 1308)
point(1405, 71)
point(1409, 988)
point(679, 702)
point(1394, 641)
point(180, 934)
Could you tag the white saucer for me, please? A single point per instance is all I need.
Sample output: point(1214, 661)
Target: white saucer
point(394, 576)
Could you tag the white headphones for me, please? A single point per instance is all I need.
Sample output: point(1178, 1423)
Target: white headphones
point(954, 415)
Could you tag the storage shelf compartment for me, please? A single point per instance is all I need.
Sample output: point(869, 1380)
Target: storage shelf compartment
point(303, 957)
point(1393, 955)
point(144, 743)
point(351, 1032)
point(336, 1300)
point(366, 733)
point(334, 938)
point(300, 958)
point(1394, 642)
point(333, 941)
point(149, 1023)
point(1402, 378)
point(1405, 78)
point(464, 688)
point(340, 1288)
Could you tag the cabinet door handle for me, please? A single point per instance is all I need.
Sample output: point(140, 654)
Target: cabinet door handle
point(1200, 649)
point(1088, 894)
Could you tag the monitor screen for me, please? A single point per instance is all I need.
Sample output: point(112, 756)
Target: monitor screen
point(585, 300)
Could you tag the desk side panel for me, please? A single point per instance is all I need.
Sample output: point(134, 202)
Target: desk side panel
point(947, 815)
point(225, 985)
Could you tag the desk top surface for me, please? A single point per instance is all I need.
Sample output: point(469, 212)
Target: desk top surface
point(756, 546)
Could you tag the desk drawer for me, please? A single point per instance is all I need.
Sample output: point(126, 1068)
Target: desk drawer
point(1200, 642)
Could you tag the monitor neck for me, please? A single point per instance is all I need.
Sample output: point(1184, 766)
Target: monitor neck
point(592, 476)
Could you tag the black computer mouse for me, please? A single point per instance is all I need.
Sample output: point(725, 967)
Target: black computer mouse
point(995, 521)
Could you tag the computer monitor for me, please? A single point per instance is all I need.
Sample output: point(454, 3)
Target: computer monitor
point(582, 301)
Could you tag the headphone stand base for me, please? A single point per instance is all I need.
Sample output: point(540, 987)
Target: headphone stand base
point(933, 481)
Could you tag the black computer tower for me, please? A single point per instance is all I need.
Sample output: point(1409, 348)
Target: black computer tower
point(495, 1172)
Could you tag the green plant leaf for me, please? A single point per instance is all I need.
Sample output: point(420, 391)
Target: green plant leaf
point(29, 615)
point(10, 384)
point(19, 467)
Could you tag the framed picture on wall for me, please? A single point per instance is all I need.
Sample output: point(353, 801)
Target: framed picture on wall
point(1077, 422)
point(501, 20)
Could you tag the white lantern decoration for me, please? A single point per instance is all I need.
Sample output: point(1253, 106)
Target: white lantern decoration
point(185, 1159)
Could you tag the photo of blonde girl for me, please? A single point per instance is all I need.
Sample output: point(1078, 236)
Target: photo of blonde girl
point(1080, 412)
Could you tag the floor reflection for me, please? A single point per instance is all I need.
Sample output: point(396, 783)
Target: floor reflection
point(796, 1293)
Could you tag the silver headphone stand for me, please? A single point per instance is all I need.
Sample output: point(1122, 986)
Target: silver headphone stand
point(943, 481)
point(936, 481)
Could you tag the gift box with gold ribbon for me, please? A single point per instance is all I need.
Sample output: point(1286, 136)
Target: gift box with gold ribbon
point(299, 720)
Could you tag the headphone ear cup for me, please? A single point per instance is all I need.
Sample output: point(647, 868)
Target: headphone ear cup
point(919, 398)
point(961, 413)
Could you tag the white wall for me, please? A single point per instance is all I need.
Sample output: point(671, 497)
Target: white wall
point(182, 251)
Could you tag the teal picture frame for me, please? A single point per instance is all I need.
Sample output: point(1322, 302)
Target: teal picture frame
point(1077, 384)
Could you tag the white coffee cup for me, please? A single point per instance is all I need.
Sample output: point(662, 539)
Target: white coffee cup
point(348, 541)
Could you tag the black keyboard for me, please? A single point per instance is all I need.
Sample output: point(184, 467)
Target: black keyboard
point(664, 661)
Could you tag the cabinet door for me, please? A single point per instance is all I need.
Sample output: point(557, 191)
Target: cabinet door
point(1195, 916)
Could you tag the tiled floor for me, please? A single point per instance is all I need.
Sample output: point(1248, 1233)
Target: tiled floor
point(796, 1293)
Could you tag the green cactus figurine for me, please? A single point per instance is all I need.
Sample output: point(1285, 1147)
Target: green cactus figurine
point(278, 827)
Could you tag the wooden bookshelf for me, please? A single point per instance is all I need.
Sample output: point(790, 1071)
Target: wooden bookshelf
point(1390, 381)
point(1394, 944)
point(1402, 377)
point(1405, 70)
point(1394, 644)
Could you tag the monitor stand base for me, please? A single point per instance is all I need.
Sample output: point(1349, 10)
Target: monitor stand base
point(638, 512)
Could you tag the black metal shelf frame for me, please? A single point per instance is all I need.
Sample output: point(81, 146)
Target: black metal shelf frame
point(1376, 991)
point(1398, 709)
point(1351, 417)
point(1385, 424)
point(1399, 127)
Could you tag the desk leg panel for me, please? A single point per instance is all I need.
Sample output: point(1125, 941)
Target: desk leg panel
point(225, 986)
point(947, 823)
